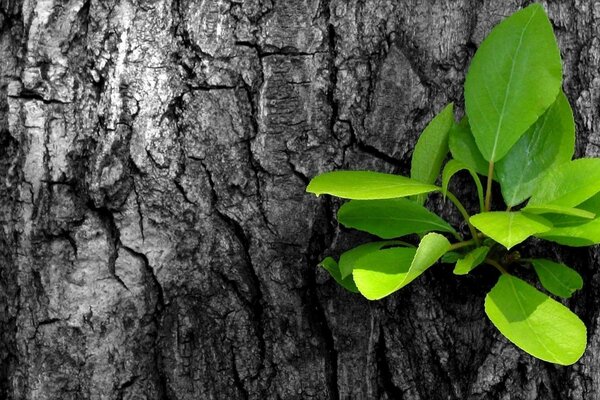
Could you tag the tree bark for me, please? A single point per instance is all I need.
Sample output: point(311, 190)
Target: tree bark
point(157, 240)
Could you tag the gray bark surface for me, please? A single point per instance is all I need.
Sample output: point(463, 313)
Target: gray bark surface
point(157, 242)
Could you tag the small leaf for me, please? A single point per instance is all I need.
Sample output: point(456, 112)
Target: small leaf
point(366, 185)
point(568, 184)
point(557, 278)
point(509, 228)
point(390, 218)
point(581, 235)
point(381, 273)
point(431, 149)
point(473, 259)
point(348, 258)
point(464, 149)
point(450, 257)
point(534, 322)
point(514, 77)
point(454, 166)
point(331, 266)
point(553, 209)
point(549, 141)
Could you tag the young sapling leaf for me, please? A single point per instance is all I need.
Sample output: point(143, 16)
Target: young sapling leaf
point(331, 266)
point(510, 228)
point(557, 278)
point(471, 260)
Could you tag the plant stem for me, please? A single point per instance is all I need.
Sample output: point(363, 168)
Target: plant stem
point(496, 264)
point(488, 189)
point(464, 214)
point(465, 243)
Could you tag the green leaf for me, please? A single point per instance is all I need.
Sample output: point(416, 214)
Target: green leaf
point(431, 149)
point(585, 234)
point(464, 149)
point(332, 267)
point(509, 228)
point(454, 166)
point(549, 141)
point(366, 185)
point(471, 260)
point(514, 77)
point(553, 209)
point(557, 278)
point(568, 184)
point(383, 272)
point(348, 258)
point(390, 218)
point(450, 257)
point(534, 322)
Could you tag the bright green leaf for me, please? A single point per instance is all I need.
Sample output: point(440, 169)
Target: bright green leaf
point(553, 209)
point(464, 149)
point(514, 77)
point(568, 184)
point(366, 185)
point(557, 278)
point(454, 166)
point(431, 149)
point(383, 272)
point(549, 141)
point(580, 235)
point(390, 218)
point(509, 228)
point(332, 267)
point(534, 322)
point(471, 260)
point(348, 258)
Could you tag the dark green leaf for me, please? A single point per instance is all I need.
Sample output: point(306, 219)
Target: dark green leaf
point(390, 218)
point(514, 77)
point(331, 266)
point(557, 278)
point(366, 185)
point(534, 322)
point(549, 141)
point(432, 148)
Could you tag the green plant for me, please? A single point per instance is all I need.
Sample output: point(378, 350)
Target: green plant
point(518, 131)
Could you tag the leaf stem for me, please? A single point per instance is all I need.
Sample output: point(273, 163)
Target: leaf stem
point(496, 264)
point(459, 245)
point(488, 189)
point(464, 214)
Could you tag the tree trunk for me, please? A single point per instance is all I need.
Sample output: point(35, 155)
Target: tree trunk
point(157, 240)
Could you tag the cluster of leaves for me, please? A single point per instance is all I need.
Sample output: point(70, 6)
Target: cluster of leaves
point(518, 131)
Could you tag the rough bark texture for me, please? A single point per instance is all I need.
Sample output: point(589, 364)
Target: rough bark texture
point(156, 239)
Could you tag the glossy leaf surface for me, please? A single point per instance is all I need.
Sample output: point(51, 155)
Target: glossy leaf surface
point(549, 141)
point(509, 228)
point(535, 322)
point(390, 218)
point(514, 76)
point(366, 185)
point(557, 278)
point(431, 149)
point(381, 273)
point(568, 184)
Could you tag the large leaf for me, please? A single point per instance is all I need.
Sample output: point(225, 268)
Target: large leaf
point(509, 228)
point(432, 148)
point(471, 260)
point(383, 272)
point(549, 141)
point(580, 235)
point(348, 258)
point(514, 77)
point(534, 322)
point(390, 218)
point(332, 267)
point(557, 278)
point(366, 185)
point(454, 166)
point(568, 184)
point(464, 149)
